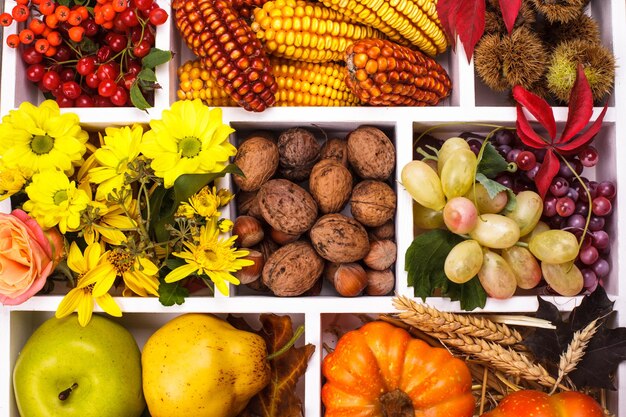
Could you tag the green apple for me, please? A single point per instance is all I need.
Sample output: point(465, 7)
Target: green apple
point(66, 370)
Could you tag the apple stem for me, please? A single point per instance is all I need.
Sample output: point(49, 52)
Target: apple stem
point(64, 395)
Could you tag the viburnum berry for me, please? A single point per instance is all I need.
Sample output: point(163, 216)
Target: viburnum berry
point(119, 5)
point(6, 19)
point(52, 21)
point(62, 13)
point(37, 26)
point(74, 18)
point(20, 13)
point(51, 51)
point(54, 38)
point(13, 41)
point(46, 7)
point(76, 33)
point(26, 36)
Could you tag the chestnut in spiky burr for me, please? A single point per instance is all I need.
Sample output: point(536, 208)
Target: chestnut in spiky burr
point(598, 62)
point(504, 61)
point(560, 10)
point(582, 28)
point(494, 23)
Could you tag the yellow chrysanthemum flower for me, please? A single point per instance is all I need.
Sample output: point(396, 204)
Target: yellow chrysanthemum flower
point(54, 199)
point(108, 222)
point(225, 225)
point(120, 148)
point(11, 181)
point(189, 139)
point(41, 138)
point(212, 256)
point(205, 203)
point(224, 195)
point(139, 273)
point(185, 210)
point(81, 298)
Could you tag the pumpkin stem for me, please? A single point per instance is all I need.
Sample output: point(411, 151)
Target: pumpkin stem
point(396, 403)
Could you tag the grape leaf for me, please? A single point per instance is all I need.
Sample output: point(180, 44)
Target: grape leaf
point(604, 352)
point(279, 398)
point(424, 261)
point(171, 293)
point(491, 162)
point(492, 187)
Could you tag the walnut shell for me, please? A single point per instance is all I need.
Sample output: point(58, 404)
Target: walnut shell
point(335, 149)
point(371, 153)
point(373, 203)
point(339, 239)
point(330, 185)
point(257, 157)
point(287, 207)
point(293, 269)
point(298, 151)
point(382, 255)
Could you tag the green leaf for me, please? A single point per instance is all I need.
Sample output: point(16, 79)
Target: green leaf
point(156, 57)
point(424, 263)
point(425, 258)
point(147, 74)
point(491, 163)
point(165, 202)
point(137, 98)
point(471, 294)
point(173, 263)
point(87, 46)
point(172, 293)
point(492, 187)
point(511, 203)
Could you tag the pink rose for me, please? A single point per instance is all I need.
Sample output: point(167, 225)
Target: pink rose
point(28, 254)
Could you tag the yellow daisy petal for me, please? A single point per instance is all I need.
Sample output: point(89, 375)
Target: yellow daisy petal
point(69, 303)
point(108, 305)
point(181, 272)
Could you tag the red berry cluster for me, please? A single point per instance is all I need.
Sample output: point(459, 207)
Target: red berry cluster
point(86, 54)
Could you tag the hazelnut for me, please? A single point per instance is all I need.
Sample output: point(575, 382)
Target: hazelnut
point(248, 230)
point(251, 273)
point(379, 282)
point(384, 231)
point(382, 255)
point(282, 238)
point(349, 279)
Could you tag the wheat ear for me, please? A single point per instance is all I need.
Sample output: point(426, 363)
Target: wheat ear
point(443, 324)
point(575, 351)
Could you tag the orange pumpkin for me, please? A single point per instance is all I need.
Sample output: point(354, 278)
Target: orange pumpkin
point(540, 404)
point(380, 370)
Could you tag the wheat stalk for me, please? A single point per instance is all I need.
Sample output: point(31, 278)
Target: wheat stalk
point(443, 324)
point(575, 351)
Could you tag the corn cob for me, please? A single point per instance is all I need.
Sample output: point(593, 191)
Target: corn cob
point(404, 21)
point(228, 49)
point(383, 73)
point(245, 7)
point(299, 84)
point(306, 31)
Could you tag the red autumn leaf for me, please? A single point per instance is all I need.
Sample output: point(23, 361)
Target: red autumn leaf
point(470, 24)
point(580, 112)
point(580, 106)
point(510, 9)
point(538, 107)
point(547, 171)
point(446, 11)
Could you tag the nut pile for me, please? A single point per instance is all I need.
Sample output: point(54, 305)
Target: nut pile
point(312, 209)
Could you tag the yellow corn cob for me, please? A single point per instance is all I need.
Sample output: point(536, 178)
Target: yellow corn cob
point(299, 84)
point(307, 31)
point(412, 21)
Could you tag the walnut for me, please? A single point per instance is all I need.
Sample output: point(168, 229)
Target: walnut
point(248, 204)
point(335, 149)
point(371, 153)
point(330, 185)
point(382, 255)
point(257, 157)
point(293, 269)
point(339, 239)
point(373, 202)
point(298, 151)
point(286, 206)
